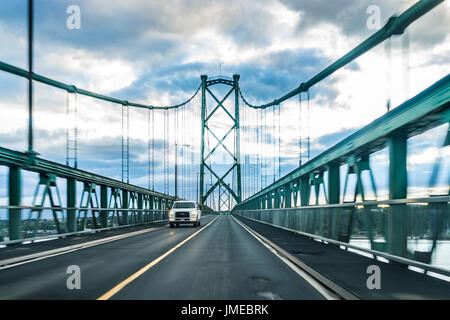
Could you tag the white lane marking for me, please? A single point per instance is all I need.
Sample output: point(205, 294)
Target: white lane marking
point(17, 261)
point(313, 282)
point(144, 269)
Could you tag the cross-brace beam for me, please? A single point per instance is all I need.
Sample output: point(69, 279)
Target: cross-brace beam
point(220, 182)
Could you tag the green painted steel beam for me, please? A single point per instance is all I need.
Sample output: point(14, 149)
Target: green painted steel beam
point(73, 89)
point(397, 230)
point(15, 158)
point(288, 195)
point(104, 204)
point(398, 183)
point(238, 137)
point(426, 110)
point(202, 147)
point(140, 204)
point(15, 198)
point(394, 26)
point(71, 203)
point(334, 183)
point(204, 126)
point(125, 198)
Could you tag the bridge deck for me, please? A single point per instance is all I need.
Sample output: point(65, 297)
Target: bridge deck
point(223, 261)
point(348, 269)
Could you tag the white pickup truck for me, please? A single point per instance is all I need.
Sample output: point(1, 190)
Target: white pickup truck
point(184, 212)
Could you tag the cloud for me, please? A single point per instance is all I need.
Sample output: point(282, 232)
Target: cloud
point(154, 52)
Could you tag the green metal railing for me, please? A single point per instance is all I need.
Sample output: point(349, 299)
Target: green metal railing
point(286, 202)
point(394, 26)
point(372, 227)
point(39, 222)
point(42, 222)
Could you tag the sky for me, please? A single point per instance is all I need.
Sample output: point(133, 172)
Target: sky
point(154, 52)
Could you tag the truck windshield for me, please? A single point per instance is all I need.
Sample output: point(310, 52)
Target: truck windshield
point(184, 205)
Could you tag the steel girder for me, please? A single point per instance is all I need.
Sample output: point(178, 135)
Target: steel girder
point(428, 109)
point(220, 183)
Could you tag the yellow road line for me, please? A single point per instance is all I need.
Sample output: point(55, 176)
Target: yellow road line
point(16, 261)
point(136, 275)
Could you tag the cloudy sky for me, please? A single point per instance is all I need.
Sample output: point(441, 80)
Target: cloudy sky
point(155, 51)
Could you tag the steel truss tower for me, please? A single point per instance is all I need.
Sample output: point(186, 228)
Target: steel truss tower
point(220, 183)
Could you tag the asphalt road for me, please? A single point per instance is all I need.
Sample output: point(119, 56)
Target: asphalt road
point(223, 261)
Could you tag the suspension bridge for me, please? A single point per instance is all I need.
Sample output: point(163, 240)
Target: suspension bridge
point(310, 233)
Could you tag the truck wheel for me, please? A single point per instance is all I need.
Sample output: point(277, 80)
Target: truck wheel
point(198, 223)
point(171, 225)
point(194, 224)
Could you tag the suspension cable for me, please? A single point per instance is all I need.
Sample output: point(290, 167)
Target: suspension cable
point(265, 148)
point(166, 151)
point(149, 149)
point(308, 138)
point(387, 53)
point(406, 44)
point(273, 141)
point(300, 129)
point(279, 141)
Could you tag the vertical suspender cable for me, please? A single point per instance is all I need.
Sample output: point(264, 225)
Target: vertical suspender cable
point(308, 127)
point(387, 53)
point(71, 130)
point(67, 127)
point(265, 147)
point(258, 173)
point(244, 148)
point(273, 143)
point(260, 150)
point(253, 160)
point(255, 152)
point(166, 151)
point(153, 149)
point(75, 132)
point(30, 76)
point(405, 58)
point(279, 141)
point(182, 195)
point(149, 149)
point(125, 143)
point(300, 130)
point(176, 151)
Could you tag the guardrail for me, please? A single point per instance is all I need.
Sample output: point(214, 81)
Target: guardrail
point(88, 220)
point(47, 227)
point(369, 227)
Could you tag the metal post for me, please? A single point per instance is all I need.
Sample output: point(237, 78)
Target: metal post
point(334, 183)
point(288, 195)
point(104, 205)
point(397, 166)
point(277, 198)
point(71, 203)
point(196, 197)
point(238, 136)
point(124, 206)
point(305, 190)
point(140, 204)
point(30, 77)
point(397, 219)
point(176, 170)
point(203, 114)
point(263, 201)
point(15, 195)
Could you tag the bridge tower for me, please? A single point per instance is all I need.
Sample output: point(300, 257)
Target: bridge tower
point(221, 183)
